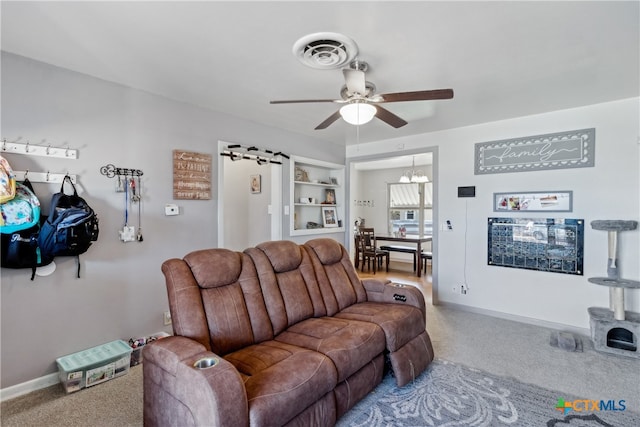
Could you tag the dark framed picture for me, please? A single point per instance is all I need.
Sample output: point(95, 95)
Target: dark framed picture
point(329, 217)
point(255, 181)
point(330, 196)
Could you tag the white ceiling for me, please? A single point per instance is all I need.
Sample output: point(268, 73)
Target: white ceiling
point(503, 59)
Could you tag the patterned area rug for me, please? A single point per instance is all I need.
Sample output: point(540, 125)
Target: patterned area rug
point(448, 394)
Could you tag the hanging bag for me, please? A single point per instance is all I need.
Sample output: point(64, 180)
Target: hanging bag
point(19, 231)
point(7, 182)
point(70, 228)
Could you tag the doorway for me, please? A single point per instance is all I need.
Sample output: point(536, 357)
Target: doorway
point(369, 178)
point(247, 191)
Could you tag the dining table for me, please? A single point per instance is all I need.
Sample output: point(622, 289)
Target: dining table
point(409, 238)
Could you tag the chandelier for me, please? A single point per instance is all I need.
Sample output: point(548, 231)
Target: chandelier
point(416, 176)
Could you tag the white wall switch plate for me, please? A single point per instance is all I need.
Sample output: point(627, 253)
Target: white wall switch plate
point(171, 210)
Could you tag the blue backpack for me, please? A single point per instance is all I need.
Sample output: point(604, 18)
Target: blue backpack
point(70, 228)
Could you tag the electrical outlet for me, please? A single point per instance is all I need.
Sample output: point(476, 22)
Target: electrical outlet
point(167, 318)
point(463, 289)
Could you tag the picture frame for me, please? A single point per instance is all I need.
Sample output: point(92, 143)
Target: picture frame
point(533, 201)
point(329, 216)
point(330, 196)
point(255, 184)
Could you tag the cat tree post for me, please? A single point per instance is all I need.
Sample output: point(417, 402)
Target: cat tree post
point(613, 330)
point(616, 288)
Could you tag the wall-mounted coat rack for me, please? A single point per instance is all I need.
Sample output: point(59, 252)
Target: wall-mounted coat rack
point(45, 177)
point(38, 150)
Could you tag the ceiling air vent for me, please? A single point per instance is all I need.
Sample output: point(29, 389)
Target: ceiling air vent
point(325, 51)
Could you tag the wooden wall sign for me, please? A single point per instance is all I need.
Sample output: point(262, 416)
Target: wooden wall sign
point(191, 175)
point(573, 149)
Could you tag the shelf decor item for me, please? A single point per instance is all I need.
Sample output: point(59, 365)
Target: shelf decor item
point(329, 217)
point(301, 175)
point(330, 196)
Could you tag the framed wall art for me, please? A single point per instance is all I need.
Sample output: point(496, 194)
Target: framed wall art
point(533, 201)
point(563, 150)
point(255, 181)
point(191, 175)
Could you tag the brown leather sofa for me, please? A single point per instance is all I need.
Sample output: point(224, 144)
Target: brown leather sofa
point(294, 336)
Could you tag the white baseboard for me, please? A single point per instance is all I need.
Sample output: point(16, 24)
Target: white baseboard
point(28, 386)
point(516, 318)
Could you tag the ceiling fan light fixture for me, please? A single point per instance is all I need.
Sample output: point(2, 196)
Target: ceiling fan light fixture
point(358, 113)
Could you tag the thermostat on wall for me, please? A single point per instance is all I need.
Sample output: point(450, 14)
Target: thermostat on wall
point(467, 191)
point(171, 210)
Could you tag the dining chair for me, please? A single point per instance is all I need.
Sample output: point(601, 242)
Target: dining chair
point(358, 249)
point(370, 252)
point(427, 257)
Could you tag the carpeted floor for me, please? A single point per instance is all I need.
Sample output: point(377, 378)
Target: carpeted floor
point(450, 394)
point(115, 403)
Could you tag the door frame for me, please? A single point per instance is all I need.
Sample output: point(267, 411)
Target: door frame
point(275, 212)
point(349, 240)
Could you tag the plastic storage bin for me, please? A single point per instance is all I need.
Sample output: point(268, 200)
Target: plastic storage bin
point(94, 365)
point(137, 344)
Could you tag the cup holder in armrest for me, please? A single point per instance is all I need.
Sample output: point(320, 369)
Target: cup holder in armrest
point(205, 363)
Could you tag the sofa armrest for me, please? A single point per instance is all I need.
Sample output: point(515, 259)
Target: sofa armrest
point(397, 293)
point(177, 393)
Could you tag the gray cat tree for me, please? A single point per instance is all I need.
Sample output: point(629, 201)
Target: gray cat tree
point(615, 330)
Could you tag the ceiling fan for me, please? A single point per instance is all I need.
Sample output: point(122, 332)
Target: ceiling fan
point(361, 103)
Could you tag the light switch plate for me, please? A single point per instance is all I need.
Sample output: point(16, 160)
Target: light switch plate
point(170, 210)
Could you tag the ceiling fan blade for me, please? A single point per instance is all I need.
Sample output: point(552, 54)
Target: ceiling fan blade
point(332, 118)
point(300, 101)
point(420, 95)
point(389, 118)
point(355, 81)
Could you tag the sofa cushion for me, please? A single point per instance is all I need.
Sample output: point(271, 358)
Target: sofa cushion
point(290, 294)
point(329, 251)
point(350, 344)
point(212, 268)
point(284, 255)
point(221, 310)
point(413, 358)
point(400, 323)
point(337, 278)
point(281, 380)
